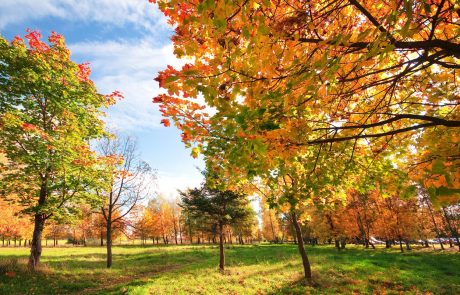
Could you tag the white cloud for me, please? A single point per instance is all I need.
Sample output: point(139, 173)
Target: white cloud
point(168, 184)
point(120, 12)
point(130, 68)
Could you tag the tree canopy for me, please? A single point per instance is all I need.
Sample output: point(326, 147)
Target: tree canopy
point(285, 79)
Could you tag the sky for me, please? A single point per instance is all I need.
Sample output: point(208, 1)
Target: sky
point(126, 43)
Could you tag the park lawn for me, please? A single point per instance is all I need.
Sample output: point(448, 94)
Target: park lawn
point(251, 269)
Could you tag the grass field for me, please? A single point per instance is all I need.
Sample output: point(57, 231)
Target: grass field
point(252, 269)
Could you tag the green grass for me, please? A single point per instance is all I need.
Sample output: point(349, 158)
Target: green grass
point(258, 269)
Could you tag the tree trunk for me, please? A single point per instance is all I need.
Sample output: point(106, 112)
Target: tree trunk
point(372, 244)
point(274, 237)
point(190, 232)
point(387, 244)
point(221, 247)
point(109, 242)
point(430, 209)
point(175, 231)
point(180, 232)
point(343, 243)
point(36, 248)
point(305, 262)
point(39, 224)
point(408, 245)
point(337, 245)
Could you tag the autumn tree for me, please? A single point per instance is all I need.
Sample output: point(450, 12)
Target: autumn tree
point(142, 224)
point(129, 182)
point(49, 111)
point(295, 91)
point(270, 222)
point(284, 75)
point(220, 208)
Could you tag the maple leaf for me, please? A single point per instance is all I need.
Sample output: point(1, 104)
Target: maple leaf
point(165, 122)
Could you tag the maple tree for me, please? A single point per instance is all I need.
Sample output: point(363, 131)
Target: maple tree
point(281, 75)
point(49, 111)
point(300, 89)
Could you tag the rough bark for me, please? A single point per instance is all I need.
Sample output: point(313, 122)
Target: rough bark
point(39, 224)
point(300, 245)
point(36, 248)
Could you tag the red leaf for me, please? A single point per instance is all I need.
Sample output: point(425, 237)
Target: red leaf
point(165, 122)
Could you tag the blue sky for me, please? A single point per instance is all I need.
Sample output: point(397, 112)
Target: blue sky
point(126, 42)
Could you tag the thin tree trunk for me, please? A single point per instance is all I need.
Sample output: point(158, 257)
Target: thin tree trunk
point(274, 238)
point(408, 245)
point(221, 247)
point(180, 232)
point(175, 230)
point(430, 209)
point(387, 244)
point(190, 232)
point(109, 242)
point(303, 254)
point(343, 243)
point(337, 244)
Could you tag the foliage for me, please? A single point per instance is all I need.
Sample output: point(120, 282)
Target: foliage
point(215, 207)
point(291, 79)
point(49, 111)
